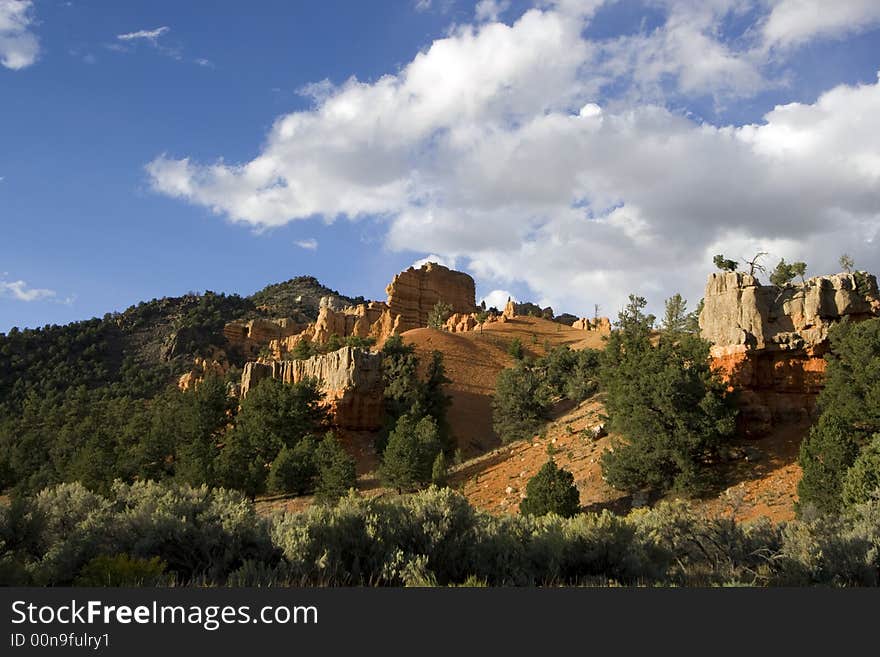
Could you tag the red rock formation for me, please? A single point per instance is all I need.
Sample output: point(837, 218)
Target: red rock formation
point(411, 297)
point(414, 293)
point(217, 365)
point(250, 337)
point(770, 342)
point(351, 380)
point(461, 322)
point(601, 324)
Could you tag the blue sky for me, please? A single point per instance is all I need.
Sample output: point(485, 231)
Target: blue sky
point(567, 153)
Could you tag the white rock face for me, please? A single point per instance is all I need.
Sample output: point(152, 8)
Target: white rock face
point(739, 314)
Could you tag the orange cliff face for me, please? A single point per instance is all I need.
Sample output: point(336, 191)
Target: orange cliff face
point(770, 343)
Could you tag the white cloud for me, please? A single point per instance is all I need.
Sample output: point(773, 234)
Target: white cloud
point(793, 22)
point(490, 10)
point(19, 47)
point(147, 35)
point(490, 147)
point(20, 291)
point(309, 244)
point(450, 262)
point(497, 299)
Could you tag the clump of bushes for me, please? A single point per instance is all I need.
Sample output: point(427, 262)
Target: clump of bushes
point(525, 392)
point(148, 534)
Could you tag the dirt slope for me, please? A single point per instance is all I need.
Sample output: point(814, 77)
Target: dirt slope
point(473, 361)
point(759, 479)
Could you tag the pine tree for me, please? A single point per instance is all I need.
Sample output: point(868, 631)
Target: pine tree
point(337, 471)
point(520, 403)
point(849, 406)
point(439, 470)
point(439, 314)
point(724, 264)
point(294, 469)
point(412, 449)
point(675, 319)
point(668, 404)
point(551, 490)
point(862, 481)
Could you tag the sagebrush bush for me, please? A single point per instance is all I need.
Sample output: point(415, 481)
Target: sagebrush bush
point(147, 532)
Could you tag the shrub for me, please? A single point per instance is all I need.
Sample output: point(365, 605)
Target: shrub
point(551, 490)
point(862, 481)
point(122, 570)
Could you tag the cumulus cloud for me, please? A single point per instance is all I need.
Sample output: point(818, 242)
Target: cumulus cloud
point(497, 299)
point(494, 147)
point(20, 291)
point(490, 10)
point(450, 262)
point(19, 47)
point(309, 244)
point(793, 22)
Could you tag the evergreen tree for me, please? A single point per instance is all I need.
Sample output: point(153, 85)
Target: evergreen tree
point(785, 272)
point(302, 350)
point(675, 319)
point(413, 446)
point(668, 404)
point(520, 403)
point(862, 481)
point(207, 411)
point(407, 394)
point(294, 469)
point(724, 264)
point(334, 343)
point(847, 264)
point(849, 407)
point(272, 416)
point(439, 314)
point(551, 490)
point(400, 370)
point(435, 401)
point(337, 471)
point(439, 469)
point(515, 349)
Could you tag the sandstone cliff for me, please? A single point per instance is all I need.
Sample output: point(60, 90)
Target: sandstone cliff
point(350, 378)
point(411, 297)
point(770, 342)
point(413, 293)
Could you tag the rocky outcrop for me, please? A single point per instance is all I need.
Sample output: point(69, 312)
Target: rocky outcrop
point(461, 322)
point(600, 324)
point(202, 367)
point(414, 293)
point(411, 297)
point(367, 320)
point(250, 337)
point(351, 380)
point(770, 342)
point(526, 309)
